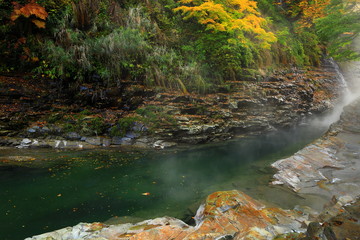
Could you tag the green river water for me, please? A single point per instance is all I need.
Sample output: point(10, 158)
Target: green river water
point(62, 188)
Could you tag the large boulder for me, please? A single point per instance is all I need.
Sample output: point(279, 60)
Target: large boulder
point(224, 215)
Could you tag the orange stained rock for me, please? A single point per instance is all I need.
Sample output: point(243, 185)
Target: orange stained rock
point(164, 232)
point(229, 213)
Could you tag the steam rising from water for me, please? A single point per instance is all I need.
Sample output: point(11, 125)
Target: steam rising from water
point(349, 77)
point(351, 72)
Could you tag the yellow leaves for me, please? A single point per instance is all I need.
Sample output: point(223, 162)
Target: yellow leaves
point(207, 21)
point(38, 23)
point(244, 6)
point(233, 16)
point(308, 11)
point(312, 11)
point(28, 10)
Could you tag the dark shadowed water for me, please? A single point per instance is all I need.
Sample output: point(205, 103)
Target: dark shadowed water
point(62, 188)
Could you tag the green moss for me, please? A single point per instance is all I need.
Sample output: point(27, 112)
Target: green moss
point(91, 126)
point(290, 236)
point(83, 123)
point(149, 111)
point(124, 125)
point(152, 116)
point(53, 118)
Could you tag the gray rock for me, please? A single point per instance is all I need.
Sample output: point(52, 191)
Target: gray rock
point(131, 135)
point(139, 127)
point(161, 144)
point(94, 141)
point(25, 141)
point(45, 129)
point(329, 166)
point(140, 144)
point(106, 142)
point(60, 144)
point(98, 141)
point(73, 136)
point(32, 130)
point(143, 142)
point(121, 141)
point(182, 118)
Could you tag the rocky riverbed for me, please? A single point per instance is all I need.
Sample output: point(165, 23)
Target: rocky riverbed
point(328, 167)
point(30, 117)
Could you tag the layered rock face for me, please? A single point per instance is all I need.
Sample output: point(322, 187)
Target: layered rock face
point(329, 166)
point(240, 108)
point(282, 100)
point(225, 215)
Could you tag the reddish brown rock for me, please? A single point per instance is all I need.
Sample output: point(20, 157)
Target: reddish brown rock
point(229, 214)
point(236, 214)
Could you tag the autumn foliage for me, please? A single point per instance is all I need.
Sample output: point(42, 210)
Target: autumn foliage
point(312, 10)
point(234, 16)
point(191, 45)
point(33, 11)
point(305, 11)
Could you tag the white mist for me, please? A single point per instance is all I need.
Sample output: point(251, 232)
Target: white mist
point(349, 77)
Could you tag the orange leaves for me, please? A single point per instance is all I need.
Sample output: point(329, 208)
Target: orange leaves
point(312, 10)
point(39, 23)
point(28, 10)
point(240, 17)
point(307, 11)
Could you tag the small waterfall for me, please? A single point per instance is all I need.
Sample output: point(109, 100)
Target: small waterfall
point(351, 72)
point(325, 120)
point(349, 77)
point(341, 78)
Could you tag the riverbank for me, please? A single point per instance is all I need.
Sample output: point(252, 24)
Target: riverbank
point(34, 116)
point(327, 167)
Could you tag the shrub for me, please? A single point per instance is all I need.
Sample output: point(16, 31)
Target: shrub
point(114, 56)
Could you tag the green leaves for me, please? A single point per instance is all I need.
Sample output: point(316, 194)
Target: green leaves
point(339, 28)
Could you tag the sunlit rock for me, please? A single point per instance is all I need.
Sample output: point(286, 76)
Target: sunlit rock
point(225, 215)
point(161, 144)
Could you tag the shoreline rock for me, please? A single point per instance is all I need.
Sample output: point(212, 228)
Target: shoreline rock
point(329, 166)
point(249, 108)
point(225, 215)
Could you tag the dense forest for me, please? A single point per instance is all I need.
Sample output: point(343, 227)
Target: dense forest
point(187, 45)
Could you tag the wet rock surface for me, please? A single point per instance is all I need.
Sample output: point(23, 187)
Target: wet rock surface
point(224, 215)
point(247, 107)
point(329, 166)
point(250, 107)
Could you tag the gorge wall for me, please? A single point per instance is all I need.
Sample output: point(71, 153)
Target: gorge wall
point(247, 107)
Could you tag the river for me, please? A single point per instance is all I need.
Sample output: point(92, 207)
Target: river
point(55, 189)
